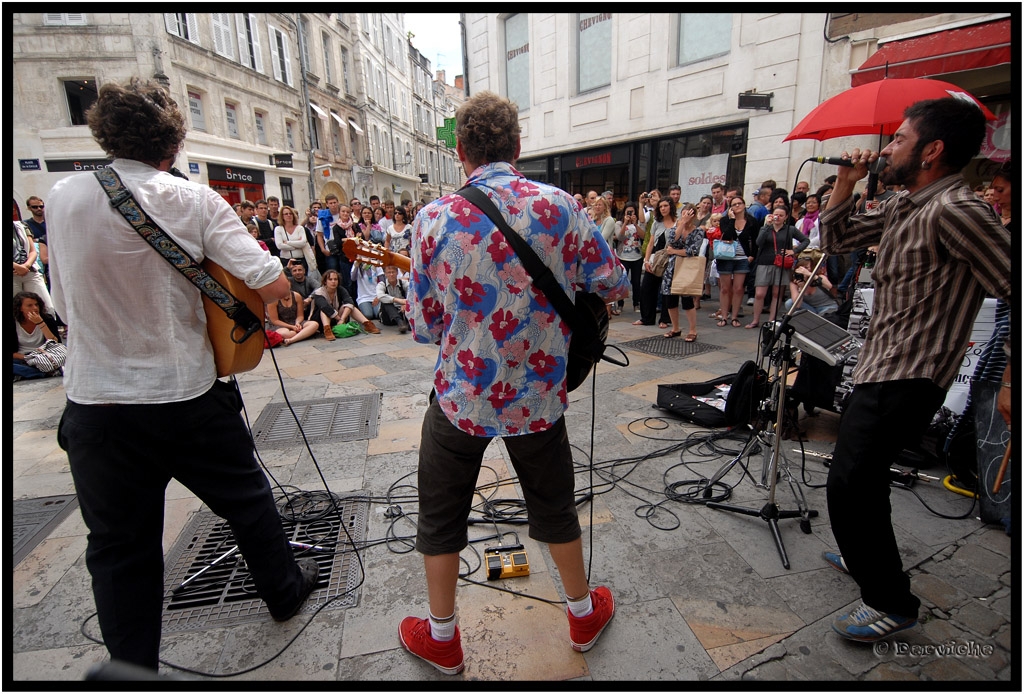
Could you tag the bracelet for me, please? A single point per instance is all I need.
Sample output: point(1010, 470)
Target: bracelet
point(39, 323)
point(1006, 384)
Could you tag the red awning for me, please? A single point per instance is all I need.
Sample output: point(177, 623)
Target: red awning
point(941, 53)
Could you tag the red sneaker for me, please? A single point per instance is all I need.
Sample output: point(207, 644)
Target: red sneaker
point(446, 656)
point(584, 631)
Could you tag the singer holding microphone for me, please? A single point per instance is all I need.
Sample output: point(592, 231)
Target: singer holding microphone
point(940, 250)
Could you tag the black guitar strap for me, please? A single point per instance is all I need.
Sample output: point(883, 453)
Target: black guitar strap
point(122, 200)
point(538, 271)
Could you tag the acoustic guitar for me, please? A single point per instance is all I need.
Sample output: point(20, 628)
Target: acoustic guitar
point(231, 353)
point(362, 251)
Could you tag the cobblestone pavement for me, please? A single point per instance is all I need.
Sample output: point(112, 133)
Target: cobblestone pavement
point(701, 594)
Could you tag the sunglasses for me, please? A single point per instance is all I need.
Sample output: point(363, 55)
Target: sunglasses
point(37, 207)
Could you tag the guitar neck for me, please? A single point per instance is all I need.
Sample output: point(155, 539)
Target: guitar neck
point(362, 251)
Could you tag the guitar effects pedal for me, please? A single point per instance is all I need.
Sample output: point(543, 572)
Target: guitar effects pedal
point(506, 562)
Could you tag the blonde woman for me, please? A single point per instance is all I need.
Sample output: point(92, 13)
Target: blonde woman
point(606, 223)
point(290, 237)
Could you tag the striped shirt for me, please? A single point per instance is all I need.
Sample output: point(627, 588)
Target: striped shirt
point(940, 250)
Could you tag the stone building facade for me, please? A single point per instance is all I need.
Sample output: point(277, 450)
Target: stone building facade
point(291, 105)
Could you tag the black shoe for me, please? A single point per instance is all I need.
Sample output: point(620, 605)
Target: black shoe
point(310, 575)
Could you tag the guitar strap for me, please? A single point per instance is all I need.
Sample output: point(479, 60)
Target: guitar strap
point(122, 200)
point(538, 271)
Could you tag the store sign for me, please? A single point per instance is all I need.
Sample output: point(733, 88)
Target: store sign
point(61, 165)
point(283, 161)
point(193, 168)
point(28, 164)
point(697, 174)
point(612, 156)
point(235, 174)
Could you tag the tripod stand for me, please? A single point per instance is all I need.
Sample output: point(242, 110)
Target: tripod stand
point(774, 465)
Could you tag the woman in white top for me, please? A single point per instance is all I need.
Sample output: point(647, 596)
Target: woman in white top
point(399, 235)
point(291, 240)
point(630, 235)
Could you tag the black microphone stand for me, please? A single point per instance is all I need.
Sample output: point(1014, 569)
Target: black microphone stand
point(770, 512)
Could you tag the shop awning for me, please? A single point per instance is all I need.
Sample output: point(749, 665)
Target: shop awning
point(319, 111)
point(940, 53)
point(355, 126)
point(338, 118)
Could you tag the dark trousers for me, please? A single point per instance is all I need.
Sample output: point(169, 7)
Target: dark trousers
point(879, 421)
point(635, 269)
point(390, 314)
point(650, 294)
point(122, 457)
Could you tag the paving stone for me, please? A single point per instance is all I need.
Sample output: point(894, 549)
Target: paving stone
point(996, 540)
point(1002, 606)
point(891, 672)
point(982, 560)
point(980, 620)
point(937, 592)
point(964, 577)
point(940, 630)
point(948, 670)
point(1004, 639)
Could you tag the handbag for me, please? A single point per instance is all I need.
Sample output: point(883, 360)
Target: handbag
point(725, 250)
point(349, 329)
point(688, 276)
point(587, 318)
point(781, 259)
point(659, 262)
point(49, 358)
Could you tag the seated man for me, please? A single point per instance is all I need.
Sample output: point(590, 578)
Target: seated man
point(818, 297)
point(391, 293)
point(303, 284)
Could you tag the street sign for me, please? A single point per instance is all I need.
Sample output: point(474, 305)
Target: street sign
point(446, 134)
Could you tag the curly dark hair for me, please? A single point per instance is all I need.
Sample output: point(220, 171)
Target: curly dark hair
point(20, 297)
point(487, 126)
point(137, 120)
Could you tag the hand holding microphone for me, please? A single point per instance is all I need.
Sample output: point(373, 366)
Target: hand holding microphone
point(874, 166)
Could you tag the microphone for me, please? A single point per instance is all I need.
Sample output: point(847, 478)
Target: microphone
point(874, 168)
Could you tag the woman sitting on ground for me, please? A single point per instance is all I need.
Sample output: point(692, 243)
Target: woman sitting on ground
point(286, 317)
point(332, 305)
point(32, 328)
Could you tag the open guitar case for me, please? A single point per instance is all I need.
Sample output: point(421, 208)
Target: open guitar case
point(746, 389)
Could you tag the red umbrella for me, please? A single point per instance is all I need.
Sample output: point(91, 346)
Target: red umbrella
point(874, 108)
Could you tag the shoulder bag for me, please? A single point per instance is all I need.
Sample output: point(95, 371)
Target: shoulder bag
point(587, 318)
point(781, 259)
point(49, 358)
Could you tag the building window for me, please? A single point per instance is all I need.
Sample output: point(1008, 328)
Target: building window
point(64, 19)
point(231, 115)
point(289, 133)
point(80, 94)
point(344, 69)
point(387, 45)
point(261, 131)
point(336, 137)
point(183, 25)
point(280, 56)
point(223, 35)
point(517, 60)
point(304, 45)
point(328, 69)
point(249, 53)
point(314, 130)
point(703, 36)
point(287, 194)
point(593, 50)
point(195, 108)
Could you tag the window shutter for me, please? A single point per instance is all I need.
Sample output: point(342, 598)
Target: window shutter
point(193, 27)
point(243, 40)
point(275, 58)
point(222, 35)
point(171, 23)
point(257, 54)
point(287, 58)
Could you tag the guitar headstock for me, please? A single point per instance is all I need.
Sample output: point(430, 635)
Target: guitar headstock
point(362, 251)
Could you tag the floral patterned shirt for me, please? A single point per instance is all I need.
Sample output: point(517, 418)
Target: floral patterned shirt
point(501, 367)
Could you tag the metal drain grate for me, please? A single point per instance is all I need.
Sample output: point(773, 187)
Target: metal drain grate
point(225, 595)
point(349, 418)
point(677, 348)
point(34, 519)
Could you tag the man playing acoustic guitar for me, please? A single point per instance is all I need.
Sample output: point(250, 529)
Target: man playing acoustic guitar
point(144, 405)
point(501, 369)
